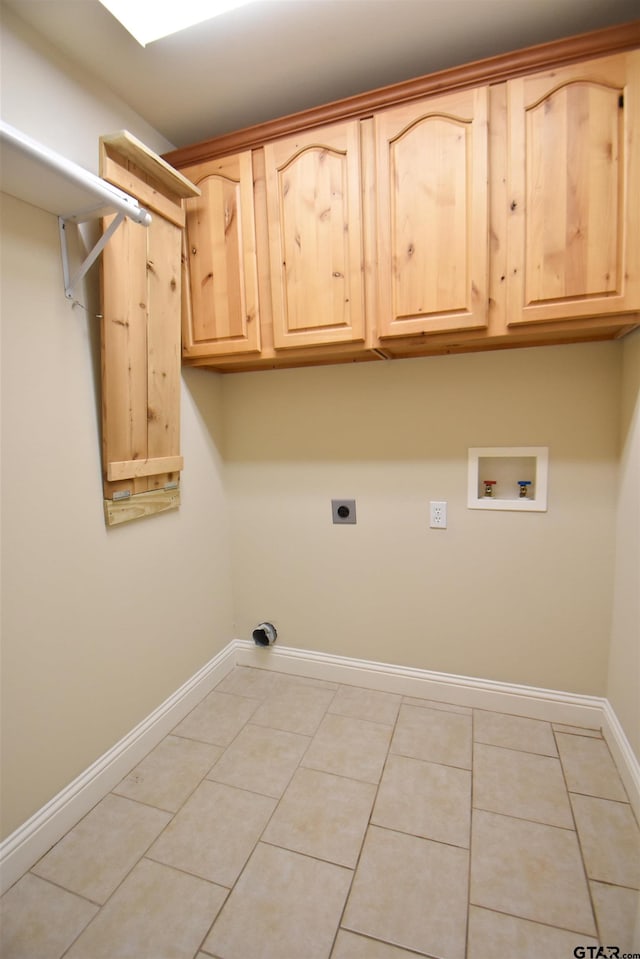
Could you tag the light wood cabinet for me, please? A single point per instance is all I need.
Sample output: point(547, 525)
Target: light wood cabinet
point(221, 314)
point(432, 215)
point(573, 174)
point(315, 228)
point(491, 206)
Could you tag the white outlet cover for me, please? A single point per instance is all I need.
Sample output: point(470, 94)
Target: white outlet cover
point(438, 514)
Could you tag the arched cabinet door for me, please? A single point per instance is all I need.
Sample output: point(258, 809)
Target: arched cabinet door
point(314, 210)
point(432, 215)
point(573, 231)
point(221, 311)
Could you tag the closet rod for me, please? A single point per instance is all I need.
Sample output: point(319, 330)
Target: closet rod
point(92, 194)
point(38, 175)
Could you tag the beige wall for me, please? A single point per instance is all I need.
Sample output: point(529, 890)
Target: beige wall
point(623, 688)
point(519, 597)
point(98, 626)
point(47, 97)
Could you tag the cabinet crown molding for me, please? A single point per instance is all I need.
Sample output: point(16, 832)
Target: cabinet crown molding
point(496, 69)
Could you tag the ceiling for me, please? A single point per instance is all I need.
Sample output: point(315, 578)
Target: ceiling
point(269, 59)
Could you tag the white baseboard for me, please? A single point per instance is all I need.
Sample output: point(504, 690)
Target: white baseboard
point(22, 849)
point(623, 755)
point(547, 704)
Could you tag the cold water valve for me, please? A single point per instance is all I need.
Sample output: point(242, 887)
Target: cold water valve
point(523, 484)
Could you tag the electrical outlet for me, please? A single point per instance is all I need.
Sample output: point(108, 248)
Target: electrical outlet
point(438, 515)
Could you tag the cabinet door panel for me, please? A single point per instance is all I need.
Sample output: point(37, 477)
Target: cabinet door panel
point(432, 222)
point(573, 180)
point(221, 250)
point(315, 237)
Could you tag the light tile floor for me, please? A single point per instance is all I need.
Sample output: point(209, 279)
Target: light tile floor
point(286, 818)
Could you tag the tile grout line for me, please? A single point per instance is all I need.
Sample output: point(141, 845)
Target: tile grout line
point(260, 839)
point(145, 854)
point(579, 841)
point(514, 749)
point(418, 759)
point(118, 885)
point(412, 835)
point(549, 825)
point(533, 822)
point(70, 892)
point(102, 905)
point(364, 837)
point(534, 922)
point(81, 933)
point(471, 807)
point(230, 889)
point(620, 802)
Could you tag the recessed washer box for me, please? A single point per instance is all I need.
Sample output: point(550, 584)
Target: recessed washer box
point(508, 478)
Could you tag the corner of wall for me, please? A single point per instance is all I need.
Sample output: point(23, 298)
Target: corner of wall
point(624, 653)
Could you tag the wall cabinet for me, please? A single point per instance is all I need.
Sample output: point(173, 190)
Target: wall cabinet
point(314, 215)
point(221, 314)
point(432, 214)
point(573, 232)
point(442, 215)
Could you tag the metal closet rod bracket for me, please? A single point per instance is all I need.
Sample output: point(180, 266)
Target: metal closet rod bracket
point(123, 206)
point(70, 282)
point(136, 213)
